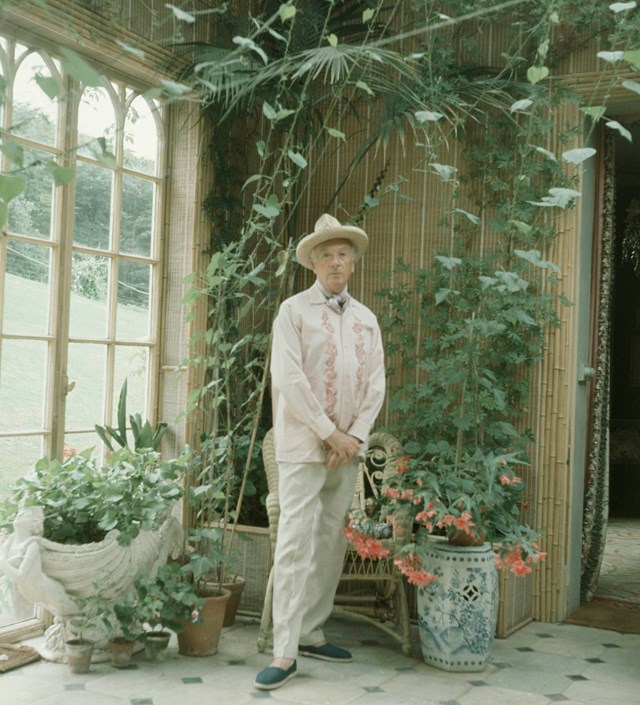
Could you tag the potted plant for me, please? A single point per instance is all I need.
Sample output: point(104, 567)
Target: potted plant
point(91, 625)
point(462, 419)
point(165, 603)
point(128, 630)
point(114, 519)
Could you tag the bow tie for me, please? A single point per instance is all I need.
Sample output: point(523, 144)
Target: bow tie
point(337, 302)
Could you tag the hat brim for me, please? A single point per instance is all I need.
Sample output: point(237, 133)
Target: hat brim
point(357, 237)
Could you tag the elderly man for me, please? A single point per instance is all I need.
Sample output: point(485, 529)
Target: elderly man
point(328, 386)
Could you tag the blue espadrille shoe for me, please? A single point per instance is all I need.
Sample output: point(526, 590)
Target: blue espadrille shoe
point(273, 677)
point(326, 652)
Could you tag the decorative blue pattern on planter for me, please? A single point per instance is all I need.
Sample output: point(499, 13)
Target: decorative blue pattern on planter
point(457, 613)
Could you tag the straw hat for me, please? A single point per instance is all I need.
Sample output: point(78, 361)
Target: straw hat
point(328, 228)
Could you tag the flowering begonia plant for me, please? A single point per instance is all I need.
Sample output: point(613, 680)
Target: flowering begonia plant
point(479, 500)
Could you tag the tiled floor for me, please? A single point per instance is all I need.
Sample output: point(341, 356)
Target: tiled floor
point(538, 665)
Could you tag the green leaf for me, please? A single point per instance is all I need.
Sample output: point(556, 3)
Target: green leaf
point(173, 89)
point(13, 151)
point(611, 56)
point(252, 46)
point(49, 86)
point(268, 111)
point(521, 227)
point(284, 113)
point(128, 49)
point(524, 317)
point(297, 159)
point(286, 12)
point(622, 6)
point(486, 282)
point(11, 187)
point(427, 116)
point(577, 156)
point(266, 211)
point(62, 175)
point(631, 86)
point(335, 133)
point(449, 262)
point(444, 171)
point(615, 125)
point(595, 112)
point(469, 216)
point(79, 69)
point(333, 40)
point(535, 74)
point(3, 213)
point(633, 57)
point(520, 105)
point(181, 14)
point(560, 197)
point(363, 86)
point(533, 257)
point(367, 15)
point(283, 260)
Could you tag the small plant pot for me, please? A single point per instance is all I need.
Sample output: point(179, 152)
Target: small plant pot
point(120, 651)
point(155, 646)
point(78, 653)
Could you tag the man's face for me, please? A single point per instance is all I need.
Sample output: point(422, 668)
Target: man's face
point(333, 264)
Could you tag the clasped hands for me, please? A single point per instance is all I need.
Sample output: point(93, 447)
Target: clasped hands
point(340, 447)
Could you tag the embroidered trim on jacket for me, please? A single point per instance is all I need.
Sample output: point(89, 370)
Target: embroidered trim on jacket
point(330, 374)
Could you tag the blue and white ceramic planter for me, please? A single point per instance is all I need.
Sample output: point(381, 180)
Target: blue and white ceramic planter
point(457, 613)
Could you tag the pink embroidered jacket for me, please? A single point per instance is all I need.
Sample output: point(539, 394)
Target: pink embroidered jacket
point(327, 371)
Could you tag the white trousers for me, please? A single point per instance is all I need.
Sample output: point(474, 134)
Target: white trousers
point(309, 551)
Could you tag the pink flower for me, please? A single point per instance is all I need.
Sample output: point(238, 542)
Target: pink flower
point(508, 480)
point(194, 616)
point(410, 566)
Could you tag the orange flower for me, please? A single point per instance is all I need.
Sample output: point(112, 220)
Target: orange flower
point(410, 565)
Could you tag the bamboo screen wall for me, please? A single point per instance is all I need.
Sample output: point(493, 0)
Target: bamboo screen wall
point(408, 226)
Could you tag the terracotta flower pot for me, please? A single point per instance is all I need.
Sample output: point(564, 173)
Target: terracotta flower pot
point(202, 639)
point(155, 646)
point(236, 587)
point(120, 651)
point(78, 653)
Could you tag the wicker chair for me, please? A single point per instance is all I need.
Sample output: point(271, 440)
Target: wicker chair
point(371, 590)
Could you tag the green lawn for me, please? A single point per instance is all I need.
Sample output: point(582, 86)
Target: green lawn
point(24, 364)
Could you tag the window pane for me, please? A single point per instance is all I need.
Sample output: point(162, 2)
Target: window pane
point(93, 206)
point(133, 301)
point(17, 456)
point(140, 138)
point(89, 293)
point(27, 292)
point(13, 607)
point(22, 386)
point(77, 442)
point(35, 114)
point(86, 370)
point(30, 212)
point(132, 363)
point(137, 216)
point(96, 123)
